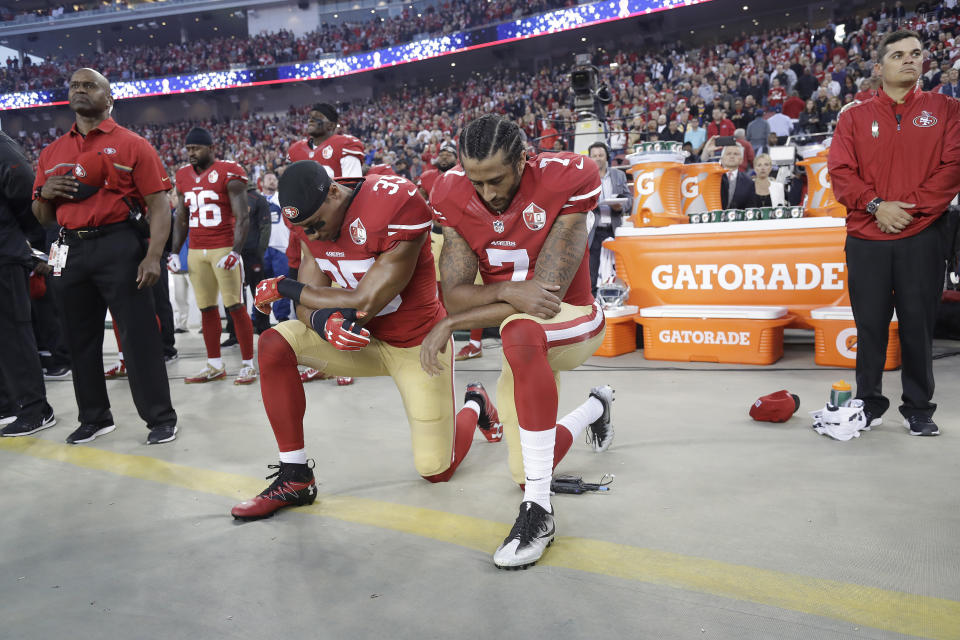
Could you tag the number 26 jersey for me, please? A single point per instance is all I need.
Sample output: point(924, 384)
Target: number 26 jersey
point(207, 201)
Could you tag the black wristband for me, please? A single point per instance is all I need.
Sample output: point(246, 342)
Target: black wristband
point(318, 319)
point(290, 289)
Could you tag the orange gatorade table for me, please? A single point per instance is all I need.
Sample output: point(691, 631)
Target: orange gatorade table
point(836, 339)
point(794, 263)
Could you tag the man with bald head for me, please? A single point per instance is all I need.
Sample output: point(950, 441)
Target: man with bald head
point(101, 183)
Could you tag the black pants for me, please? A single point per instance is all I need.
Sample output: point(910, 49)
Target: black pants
point(102, 272)
point(48, 330)
point(907, 275)
point(161, 301)
point(20, 374)
point(599, 235)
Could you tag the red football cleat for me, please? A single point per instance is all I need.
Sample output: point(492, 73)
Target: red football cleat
point(488, 420)
point(118, 370)
point(468, 352)
point(309, 375)
point(294, 486)
point(343, 381)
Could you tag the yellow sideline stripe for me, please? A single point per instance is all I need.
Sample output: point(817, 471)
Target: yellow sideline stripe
point(895, 611)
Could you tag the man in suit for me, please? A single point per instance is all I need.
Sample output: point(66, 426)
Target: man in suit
point(606, 217)
point(736, 187)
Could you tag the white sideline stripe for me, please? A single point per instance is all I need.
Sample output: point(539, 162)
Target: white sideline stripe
point(585, 195)
point(410, 226)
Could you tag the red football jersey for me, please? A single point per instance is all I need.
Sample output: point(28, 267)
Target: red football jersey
point(381, 170)
point(386, 210)
point(329, 153)
point(508, 244)
point(208, 202)
point(427, 179)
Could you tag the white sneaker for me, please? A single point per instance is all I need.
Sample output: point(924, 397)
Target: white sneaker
point(209, 374)
point(532, 533)
point(600, 431)
point(247, 375)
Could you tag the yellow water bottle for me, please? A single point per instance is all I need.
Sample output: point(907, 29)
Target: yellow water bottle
point(840, 393)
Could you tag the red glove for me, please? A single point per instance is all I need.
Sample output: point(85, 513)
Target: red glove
point(339, 327)
point(267, 294)
point(229, 261)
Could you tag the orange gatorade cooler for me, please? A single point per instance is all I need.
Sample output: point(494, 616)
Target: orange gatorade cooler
point(714, 333)
point(657, 171)
point(700, 188)
point(621, 334)
point(820, 200)
point(835, 337)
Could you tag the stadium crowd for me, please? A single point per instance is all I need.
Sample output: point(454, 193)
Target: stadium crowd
point(217, 54)
point(650, 91)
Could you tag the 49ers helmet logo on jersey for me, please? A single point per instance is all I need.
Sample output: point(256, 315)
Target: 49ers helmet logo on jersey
point(213, 177)
point(925, 119)
point(534, 217)
point(291, 212)
point(327, 152)
point(358, 233)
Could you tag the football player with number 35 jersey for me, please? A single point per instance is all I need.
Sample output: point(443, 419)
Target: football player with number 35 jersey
point(213, 206)
point(371, 240)
point(522, 222)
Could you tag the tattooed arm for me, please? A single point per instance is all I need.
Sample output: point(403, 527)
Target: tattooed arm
point(562, 253)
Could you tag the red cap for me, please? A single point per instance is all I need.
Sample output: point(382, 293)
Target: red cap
point(93, 170)
point(776, 407)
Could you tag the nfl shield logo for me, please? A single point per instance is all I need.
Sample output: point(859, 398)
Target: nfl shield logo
point(358, 233)
point(534, 217)
point(498, 226)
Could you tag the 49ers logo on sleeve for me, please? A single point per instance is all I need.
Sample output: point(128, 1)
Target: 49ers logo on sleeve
point(327, 152)
point(925, 119)
point(79, 171)
point(358, 233)
point(213, 177)
point(534, 217)
point(291, 212)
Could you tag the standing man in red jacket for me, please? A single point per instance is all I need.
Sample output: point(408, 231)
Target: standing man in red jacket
point(909, 143)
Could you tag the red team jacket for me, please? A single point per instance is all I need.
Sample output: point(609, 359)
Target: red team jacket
point(916, 160)
point(386, 210)
point(428, 178)
point(208, 203)
point(553, 184)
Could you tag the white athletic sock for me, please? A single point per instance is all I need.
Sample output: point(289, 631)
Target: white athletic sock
point(247, 363)
point(578, 419)
point(472, 405)
point(120, 356)
point(294, 457)
point(537, 448)
point(216, 363)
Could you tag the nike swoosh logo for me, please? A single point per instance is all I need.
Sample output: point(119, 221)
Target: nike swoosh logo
point(412, 193)
point(580, 164)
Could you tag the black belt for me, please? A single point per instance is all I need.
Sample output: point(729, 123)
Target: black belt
point(89, 233)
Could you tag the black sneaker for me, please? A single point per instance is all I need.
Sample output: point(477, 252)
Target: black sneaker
point(600, 431)
point(159, 435)
point(88, 432)
point(532, 533)
point(294, 486)
point(171, 357)
point(872, 420)
point(179, 330)
point(489, 419)
point(23, 426)
point(230, 342)
point(55, 373)
point(921, 426)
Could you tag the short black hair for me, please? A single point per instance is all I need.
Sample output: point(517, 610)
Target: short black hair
point(896, 36)
point(600, 145)
point(490, 134)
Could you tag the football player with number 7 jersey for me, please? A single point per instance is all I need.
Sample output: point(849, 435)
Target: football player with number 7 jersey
point(522, 222)
point(372, 240)
point(213, 206)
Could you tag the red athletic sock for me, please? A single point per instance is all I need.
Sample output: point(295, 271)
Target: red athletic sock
point(534, 389)
point(282, 391)
point(466, 424)
point(243, 327)
point(476, 335)
point(210, 323)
